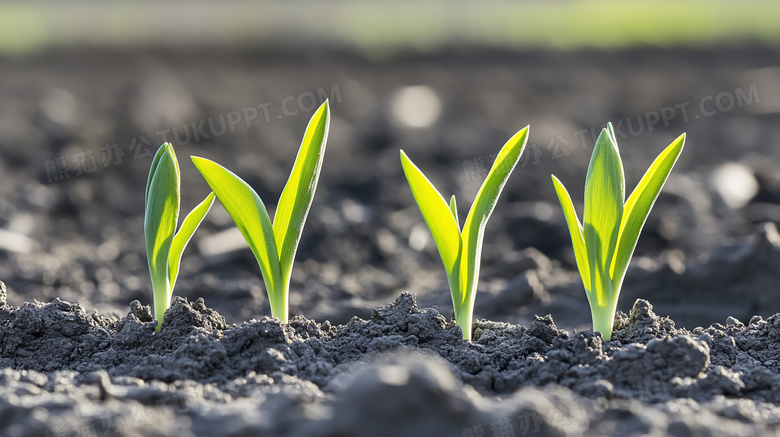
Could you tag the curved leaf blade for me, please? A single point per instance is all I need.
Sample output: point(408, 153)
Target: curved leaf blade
point(604, 194)
point(249, 214)
point(180, 240)
point(436, 213)
point(611, 132)
point(482, 208)
point(638, 207)
point(155, 163)
point(160, 217)
point(575, 229)
point(454, 209)
point(298, 193)
point(162, 213)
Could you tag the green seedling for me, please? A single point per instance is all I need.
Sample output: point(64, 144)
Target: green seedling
point(274, 245)
point(605, 242)
point(461, 251)
point(163, 245)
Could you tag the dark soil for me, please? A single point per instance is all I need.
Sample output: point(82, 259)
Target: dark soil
point(97, 367)
point(405, 371)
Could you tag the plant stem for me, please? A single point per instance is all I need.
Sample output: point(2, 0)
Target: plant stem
point(278, 300)
point(463, 319)
point(604, 318)
point(162, 300)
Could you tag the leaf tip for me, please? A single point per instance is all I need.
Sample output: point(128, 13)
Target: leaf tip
point(324, 108)
point(523, 133)
point(557, 184)
point(678, 144)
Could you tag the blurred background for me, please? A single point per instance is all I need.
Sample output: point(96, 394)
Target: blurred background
point(89, 90)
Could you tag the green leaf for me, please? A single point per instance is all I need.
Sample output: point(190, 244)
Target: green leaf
point(454, 209)
point(298, 193)
point(248, 212)
point(180, 240)
point(604, 194)
point(436, 213)
point(575, 229)
point(604, 245)
point(155, 162)
point(160, 217)
point(482, 208)
point(611, 132)
point(638, 207)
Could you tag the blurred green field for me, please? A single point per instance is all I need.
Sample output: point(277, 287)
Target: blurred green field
point(378, 28)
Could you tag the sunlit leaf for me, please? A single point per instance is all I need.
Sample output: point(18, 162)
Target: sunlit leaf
point(605, 243)
point(180, 240)
point(298, 194)
point(461, 252)
point(249, 214)
point(604, 194)
point(162, 211)
point(638, 207)
point(482, 208)
point(274, 245)
point(155, 161)
point(575, 229)
point(436, 213)
point(454, 209)
point(160, 217)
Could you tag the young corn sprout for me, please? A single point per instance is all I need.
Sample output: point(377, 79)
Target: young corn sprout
point(274, 245)
point(163, 245)
point(461, 251)
point(605, 241)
